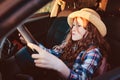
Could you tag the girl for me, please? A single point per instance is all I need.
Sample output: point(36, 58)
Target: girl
point(79, 57)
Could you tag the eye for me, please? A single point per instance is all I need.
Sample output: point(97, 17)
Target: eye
point(72, 26)
point(79, 26)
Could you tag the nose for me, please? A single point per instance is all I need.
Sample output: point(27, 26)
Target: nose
point(73, 28)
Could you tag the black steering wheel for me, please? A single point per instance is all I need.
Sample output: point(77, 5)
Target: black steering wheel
point(9, 64)
point(6, 48)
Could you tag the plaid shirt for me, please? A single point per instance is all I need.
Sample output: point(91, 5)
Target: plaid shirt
point(82, 70)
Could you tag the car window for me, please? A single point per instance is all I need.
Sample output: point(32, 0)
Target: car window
point(46, 8)
point(80, 3)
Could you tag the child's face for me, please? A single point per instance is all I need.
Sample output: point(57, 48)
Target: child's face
point(78, 28)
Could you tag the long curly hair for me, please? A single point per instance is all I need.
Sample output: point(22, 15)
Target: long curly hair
point(93, 37)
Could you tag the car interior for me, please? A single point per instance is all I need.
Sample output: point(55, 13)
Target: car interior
point(49, 29)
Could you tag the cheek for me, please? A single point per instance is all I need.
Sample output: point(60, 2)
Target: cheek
point(81, 31)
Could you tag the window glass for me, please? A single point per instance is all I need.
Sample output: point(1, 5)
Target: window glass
point(46, 8)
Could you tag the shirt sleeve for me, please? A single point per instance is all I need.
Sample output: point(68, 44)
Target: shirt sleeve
point(84, 70)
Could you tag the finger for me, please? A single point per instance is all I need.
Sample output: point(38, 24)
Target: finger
point(40, 65)
point(36, 56)
point(40, 61)
point(33, 46)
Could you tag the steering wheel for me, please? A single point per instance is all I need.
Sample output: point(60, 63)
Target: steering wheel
point(9, 59)
point(6, 48)
point(22, 61)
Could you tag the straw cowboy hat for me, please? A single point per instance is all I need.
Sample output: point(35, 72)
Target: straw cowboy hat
point(92, 16)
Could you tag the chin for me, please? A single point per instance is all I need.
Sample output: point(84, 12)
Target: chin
point(76, 39)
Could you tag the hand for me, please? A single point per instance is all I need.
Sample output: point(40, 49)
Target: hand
point(22, 39)
point(46, 60)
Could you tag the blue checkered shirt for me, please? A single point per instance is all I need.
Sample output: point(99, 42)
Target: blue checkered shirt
point(82, 69)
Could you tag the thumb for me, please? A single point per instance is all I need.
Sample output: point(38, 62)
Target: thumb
point(33, 46)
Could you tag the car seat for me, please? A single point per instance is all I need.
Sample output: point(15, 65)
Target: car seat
point(58, 30)
point(112, 21)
